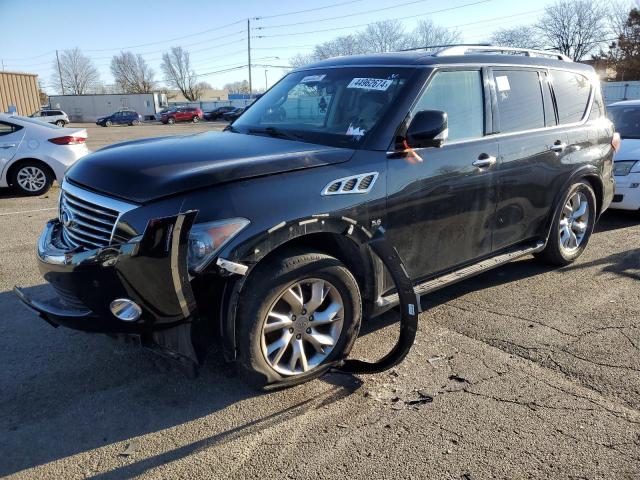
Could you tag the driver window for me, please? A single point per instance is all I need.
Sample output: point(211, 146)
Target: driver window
point(459, 94)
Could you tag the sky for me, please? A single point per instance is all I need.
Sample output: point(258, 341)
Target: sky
point(215, 32)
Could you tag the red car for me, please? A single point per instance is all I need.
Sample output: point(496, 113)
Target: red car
point(182, 114)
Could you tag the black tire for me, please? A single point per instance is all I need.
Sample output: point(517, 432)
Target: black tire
point(108, 123)
point(196, 119)
point(60, 123)
point(34, 165)
point(265, 285)
point(553, 254)
point(135, 123)
point(171, 120)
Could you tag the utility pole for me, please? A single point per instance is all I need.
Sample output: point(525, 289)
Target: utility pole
point(249, 53)
point(60, 72)
point(265, 81)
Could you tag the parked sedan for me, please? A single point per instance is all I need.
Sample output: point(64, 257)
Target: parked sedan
point(182, 114)
point(626, 117)
point(124, 117)
point(218, 112)
point(233, 114)
point(34, 153)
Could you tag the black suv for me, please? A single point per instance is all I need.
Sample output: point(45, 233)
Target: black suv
point(461, 159)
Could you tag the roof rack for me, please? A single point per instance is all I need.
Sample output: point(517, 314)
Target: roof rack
point(467, 49)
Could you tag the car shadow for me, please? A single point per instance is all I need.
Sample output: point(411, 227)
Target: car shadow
point(64, 392)
point(616, 219)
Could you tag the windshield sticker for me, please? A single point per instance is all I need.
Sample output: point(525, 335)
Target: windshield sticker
point(313, 78)
point(355, 131)
point(370, 83)
point(502, 83)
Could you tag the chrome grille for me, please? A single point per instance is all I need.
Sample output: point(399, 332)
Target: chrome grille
point(88, 219)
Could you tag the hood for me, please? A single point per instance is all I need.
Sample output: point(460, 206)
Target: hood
point(144, 170)
point(629, 150)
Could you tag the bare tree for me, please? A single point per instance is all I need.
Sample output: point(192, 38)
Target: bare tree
point(301, 59)
point(132, 74)
point(384, 36)
point(574, 27)
point(176, 67)
point(237, 87)
point(523, 36)
point(79, 75)
point(339, 46)
point(428, 33)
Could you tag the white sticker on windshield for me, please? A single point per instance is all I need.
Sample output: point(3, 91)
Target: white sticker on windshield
point(355, 131)
point(502, 83)
point(370, 83)
point(312, 78)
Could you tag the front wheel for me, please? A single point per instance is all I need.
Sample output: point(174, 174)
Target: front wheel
point(196, 119)
point(60, 123)
point(297, 313)
point(171, 121)
point(108, 123)
point(572, 227)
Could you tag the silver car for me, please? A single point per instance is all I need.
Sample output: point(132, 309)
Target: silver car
point(51, 116)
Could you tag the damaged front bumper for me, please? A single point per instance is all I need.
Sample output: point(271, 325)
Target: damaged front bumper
point(150, 270)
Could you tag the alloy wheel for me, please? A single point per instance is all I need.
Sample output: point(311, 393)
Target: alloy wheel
point(302, 326)
point(31, 179)
point(574, 221)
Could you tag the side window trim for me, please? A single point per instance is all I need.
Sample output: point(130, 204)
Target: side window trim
point(548, 97)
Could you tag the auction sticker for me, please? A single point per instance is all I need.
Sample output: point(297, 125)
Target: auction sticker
point(370, 83)
point(312, 78)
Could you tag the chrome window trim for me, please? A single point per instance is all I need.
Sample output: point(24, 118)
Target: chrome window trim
point(101, 200)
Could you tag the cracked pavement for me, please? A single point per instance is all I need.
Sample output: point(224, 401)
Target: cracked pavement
point(523, 372)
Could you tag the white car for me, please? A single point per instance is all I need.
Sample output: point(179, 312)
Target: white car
point(51, 116)
point(33, 153)
point(626, 117)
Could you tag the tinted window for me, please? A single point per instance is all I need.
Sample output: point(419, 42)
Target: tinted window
point(519, 100)
point(7, 128)
point(56, 112)
point(626, 119)
point(459, 94)
point(572, 95)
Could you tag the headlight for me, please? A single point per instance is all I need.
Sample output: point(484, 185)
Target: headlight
point(206, 239)
point(626, 167)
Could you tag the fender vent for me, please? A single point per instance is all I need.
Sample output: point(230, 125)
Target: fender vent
point(355, 184)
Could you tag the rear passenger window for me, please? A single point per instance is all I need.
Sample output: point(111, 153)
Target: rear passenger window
point(7, 128)
point(520, 104)
point(459, 94)
point(572, 95)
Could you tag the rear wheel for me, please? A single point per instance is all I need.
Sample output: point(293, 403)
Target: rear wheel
point(171, 121)
point(60, 123)
point(572, 227)
point(135, 123)
point(196, 119)
point(297, 313)
point(32, 178)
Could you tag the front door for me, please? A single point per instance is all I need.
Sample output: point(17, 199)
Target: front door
point(441, 201)
point(10, 138)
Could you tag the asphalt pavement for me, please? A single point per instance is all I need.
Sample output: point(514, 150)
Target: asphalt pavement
point(523, 372)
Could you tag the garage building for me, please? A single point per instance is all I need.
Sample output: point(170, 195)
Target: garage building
point(19, 90)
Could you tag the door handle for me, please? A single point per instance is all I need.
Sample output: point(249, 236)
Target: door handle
point(484, 160)
point(558, 147)
point(7, 145)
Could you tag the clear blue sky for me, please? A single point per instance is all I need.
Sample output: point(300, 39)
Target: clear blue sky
point(33, 30)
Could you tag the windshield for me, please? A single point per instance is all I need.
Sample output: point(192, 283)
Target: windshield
point(626, 120)
point(333, 106)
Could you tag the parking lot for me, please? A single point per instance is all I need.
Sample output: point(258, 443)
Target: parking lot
point(523, 372)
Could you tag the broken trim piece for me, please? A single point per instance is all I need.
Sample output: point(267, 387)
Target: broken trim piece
point(232, 267)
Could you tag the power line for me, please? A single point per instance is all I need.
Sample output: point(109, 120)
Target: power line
point(365, 12)
point(371, 23)
point(308, 10)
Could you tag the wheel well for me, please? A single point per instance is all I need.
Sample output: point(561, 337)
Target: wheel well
point(357, 259)
point(596, 184)
point(16, 165)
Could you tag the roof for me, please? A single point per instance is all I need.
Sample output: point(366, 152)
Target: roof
point(4, 72)
point(430, 58)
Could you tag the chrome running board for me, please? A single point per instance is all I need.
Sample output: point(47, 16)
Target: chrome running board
point(462, 274)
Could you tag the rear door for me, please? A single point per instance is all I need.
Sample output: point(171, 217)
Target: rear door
point(441, 202)
point(11, 136)
point(532, 151)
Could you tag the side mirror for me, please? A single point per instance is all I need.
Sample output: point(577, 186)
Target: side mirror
point(429, 128)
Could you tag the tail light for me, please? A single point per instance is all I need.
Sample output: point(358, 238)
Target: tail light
point(68, 140)
point(615, 142)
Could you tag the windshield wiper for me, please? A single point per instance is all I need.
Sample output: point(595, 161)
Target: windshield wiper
point(276, 132)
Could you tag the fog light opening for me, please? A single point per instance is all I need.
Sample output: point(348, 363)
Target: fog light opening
point(125, 309)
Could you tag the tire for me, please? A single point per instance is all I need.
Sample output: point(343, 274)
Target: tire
point(568, 240)
point(262, 294)
point(171, 121)
point(108, 123)
point(31, 178)
point(60, 123)
point(135, 123)
point(196, 119)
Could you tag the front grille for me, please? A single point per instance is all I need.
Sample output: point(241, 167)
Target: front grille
point(88, 219)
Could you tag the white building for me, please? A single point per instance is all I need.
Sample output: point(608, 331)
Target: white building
point(88, 108)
